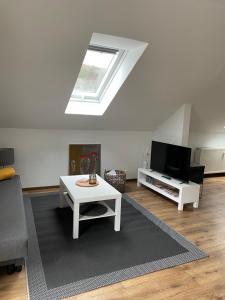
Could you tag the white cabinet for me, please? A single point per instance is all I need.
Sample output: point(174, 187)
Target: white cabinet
point(212, 158)
point(174, 189)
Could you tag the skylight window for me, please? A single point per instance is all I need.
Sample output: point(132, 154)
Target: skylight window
point(106, 65)
point(96, 70)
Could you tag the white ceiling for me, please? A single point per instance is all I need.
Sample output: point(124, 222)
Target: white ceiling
point(43, 43)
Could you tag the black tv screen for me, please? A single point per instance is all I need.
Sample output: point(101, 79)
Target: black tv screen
point(171, 160)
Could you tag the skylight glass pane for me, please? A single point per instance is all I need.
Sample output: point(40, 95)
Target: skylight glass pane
point(94, 70)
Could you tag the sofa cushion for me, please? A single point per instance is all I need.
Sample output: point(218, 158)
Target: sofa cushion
point(6, 173)
point(13, 231)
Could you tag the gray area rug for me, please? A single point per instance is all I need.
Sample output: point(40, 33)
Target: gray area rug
point(59, 267)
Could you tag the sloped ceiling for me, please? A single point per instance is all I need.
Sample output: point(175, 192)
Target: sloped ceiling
point(43, 43)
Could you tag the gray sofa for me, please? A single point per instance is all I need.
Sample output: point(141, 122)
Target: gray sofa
point(13, 231)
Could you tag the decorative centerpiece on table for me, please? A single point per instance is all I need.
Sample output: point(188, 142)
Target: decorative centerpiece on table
point(92, 169)
point(88, 164)
point(85, 182)
point(146, 156)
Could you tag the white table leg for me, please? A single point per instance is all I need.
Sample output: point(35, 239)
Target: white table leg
point(76, 215)
point(180, 206)
point(195, 205)
point(62, 201)
point(117, 214)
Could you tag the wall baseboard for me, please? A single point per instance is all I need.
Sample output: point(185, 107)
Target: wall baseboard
point(40, 188)
point(214, 175)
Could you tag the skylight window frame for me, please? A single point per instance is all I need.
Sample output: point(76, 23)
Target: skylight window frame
point(133, 51)
point(108, 77)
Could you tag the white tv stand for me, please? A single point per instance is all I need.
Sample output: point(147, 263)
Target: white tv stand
point(174, 189)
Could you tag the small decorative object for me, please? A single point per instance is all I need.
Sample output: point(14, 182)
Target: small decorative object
point(146, 155)
point(117, 178)
point(92, 179)
point(145, 164)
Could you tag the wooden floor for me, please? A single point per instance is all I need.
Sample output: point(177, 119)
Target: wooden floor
point(203, 279)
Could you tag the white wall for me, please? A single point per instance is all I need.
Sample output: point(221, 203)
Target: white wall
point(215, 140)
point(175, 130)
point(42, 155)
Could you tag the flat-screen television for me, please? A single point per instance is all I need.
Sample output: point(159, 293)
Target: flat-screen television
point(171, 160)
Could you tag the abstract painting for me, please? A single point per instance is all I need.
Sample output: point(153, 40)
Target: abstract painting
point(84, 159)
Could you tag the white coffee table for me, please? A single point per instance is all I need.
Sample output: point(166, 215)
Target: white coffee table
point(73, 195)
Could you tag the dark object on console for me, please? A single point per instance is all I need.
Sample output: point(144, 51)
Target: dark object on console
point(6, 156)
point(13, 229)
point(197, 175)
point(10, 269)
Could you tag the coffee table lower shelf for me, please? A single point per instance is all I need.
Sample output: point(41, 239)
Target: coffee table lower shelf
point(109, 213)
